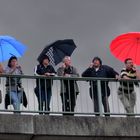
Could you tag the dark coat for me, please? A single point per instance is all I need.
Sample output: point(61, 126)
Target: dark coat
point(41, 70)
point(8, 102)
point(103, 72)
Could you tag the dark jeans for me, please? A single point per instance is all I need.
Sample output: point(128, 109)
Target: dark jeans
point(105, 105)
point(44, 98)
point(105, 95)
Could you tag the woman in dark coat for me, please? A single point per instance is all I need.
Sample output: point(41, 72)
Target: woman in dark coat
point(43, 88)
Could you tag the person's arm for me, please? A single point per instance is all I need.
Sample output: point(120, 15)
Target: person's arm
point(137, 74)
point(123, 75)
point(38, 71)
point(60, 71)
point(52, 71)
point(20, 70)
point(87, 72)
point(74, 72)
point(9, 70)
point(111, 72)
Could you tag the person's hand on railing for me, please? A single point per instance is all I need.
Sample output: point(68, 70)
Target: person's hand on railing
point(118, 77)
point(67, 75)
point(49, 74)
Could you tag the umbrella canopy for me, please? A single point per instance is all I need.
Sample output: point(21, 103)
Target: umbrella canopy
point(9, 46)
point(58, 50)
point(127, 46)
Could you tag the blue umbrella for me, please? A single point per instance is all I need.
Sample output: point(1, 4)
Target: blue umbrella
point(9, 46)
point(58, 50)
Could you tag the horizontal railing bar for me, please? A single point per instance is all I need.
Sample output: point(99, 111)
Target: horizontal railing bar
point(54, 112)
point(77, 113)
point(58, 89)
point(87, 79)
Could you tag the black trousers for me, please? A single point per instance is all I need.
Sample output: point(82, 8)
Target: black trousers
point(105, 105)
point(105, 93)
point(44, 98)
point(69, 99)
point(68, 103)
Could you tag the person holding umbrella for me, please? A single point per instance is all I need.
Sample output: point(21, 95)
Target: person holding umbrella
point(96, 69)
point(43, 88)
point(126, 91)
point(69, 88)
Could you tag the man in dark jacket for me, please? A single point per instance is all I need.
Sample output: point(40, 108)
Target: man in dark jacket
point(43, 88)
point(96, 69)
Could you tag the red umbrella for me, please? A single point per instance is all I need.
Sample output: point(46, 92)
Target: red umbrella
point(127, 46)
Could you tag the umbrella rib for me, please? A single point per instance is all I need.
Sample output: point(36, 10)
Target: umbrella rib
point(126, 53)
point(58, 54)
point(136, 52)
point(63, 52)
point(13, 47)
point(119, 43)
point(138, 59)
point(121, 49)
point(61, 48)
point(130, 49)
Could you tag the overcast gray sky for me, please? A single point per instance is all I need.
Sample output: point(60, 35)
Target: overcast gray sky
point(91, 23)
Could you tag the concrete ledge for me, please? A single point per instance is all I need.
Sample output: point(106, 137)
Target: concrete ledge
point(87, 126)
point(40, 127)
point(11, 123)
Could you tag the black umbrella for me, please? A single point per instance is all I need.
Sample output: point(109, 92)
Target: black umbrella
point(58, 50)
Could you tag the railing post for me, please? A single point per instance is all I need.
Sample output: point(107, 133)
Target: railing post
point(99, 97)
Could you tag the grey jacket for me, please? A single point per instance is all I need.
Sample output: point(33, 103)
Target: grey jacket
point(74, 73)
point(13, 83)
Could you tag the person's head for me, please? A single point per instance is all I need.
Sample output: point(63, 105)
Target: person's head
point(97, 62)
point(67, 60)
point(129, 63)
point(13, 62)
point(45, 60)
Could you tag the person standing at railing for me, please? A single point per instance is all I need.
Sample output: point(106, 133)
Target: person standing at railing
point(96, 69)
point(43, 88)
point(69, 88)
point(13, 84)
point(126, 91)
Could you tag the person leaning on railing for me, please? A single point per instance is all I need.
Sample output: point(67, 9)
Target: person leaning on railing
point(43, 89)
point(126, 92)
point(14, 90)
point(69, 88)
point(96, 69)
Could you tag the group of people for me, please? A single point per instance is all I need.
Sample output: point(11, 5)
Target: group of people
point(69, 87)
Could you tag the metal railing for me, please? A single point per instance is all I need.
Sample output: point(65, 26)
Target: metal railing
point(88, 97)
